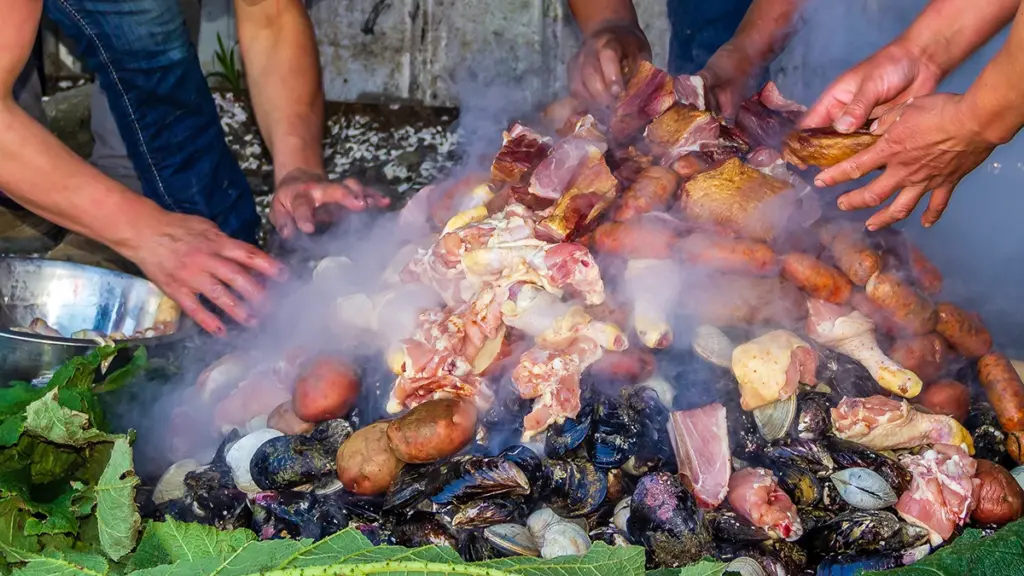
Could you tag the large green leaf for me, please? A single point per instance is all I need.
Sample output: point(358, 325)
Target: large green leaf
point(1001, 554)
point(116, 512)
point(48, 419)
point(704, 568)
point(55, 563)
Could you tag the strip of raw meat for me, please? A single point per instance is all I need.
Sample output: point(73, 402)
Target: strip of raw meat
point(740, 198)
point(690, 91)
point(592, 189)
point(941, 495)
point(754, 494)
point(700, 440)
point(521, 152)
point(824, 147)
point(553, 175)
point(882, 423)
point(551, 376)
point(649, 93)
point(680, 130)
point(769, 368)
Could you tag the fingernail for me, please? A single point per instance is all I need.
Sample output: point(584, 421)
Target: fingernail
point(819, 182)
point(927, 224)
point(844, 124)
point(220, 331)
point(874, 126)
point(841, 204)
point(872, 227)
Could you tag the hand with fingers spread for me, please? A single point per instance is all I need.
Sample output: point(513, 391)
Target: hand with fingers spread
point(188, 257)
point(598, 73)
point(300, 194)
point(927, 144)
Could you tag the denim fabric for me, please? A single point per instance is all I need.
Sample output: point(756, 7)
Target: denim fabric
point(141, 53)
point(699, 28)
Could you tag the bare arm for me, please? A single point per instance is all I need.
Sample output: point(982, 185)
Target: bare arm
point(592, 15)
point(994, 104)
point(948, 31)
point(766, 28)
point(283, 70)
point(42, 174)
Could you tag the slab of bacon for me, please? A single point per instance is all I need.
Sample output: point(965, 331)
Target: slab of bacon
point(754, 494)
point(690, 91)
point(766, 118)
point(648, 94)
point(554, 173)
point(680, 130)
point(700, 440)
point(590, 191)
point(769, 368)
point(882, 423)
point(521, 152)
point(941, 495)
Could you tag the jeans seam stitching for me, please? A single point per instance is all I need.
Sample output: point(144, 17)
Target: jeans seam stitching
point(124, 96)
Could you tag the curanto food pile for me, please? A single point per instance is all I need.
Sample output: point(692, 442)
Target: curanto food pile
point(636, 343)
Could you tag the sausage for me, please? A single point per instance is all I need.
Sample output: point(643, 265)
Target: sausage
point(925, 356)
point(883, 323)
point(638, 238)
point(854, 256)
point(653, 191)
point(1004, 389)
point(909, 308)
point(947, 397)
point(729, 254)
point(963, 330)
point(926, 275)
point(817, 279)
point(734, 300)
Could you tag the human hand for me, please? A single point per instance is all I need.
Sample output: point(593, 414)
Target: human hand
point(727, 77)
point(612, 52)
point(889, 77)
point(301, 192)
point(928, 144)
point(187, 256)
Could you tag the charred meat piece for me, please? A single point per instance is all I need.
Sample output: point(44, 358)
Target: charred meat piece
point(521, 152)
point(740, 198)
point(680, 130)
point(650, 92)
point(653, 191)
point(591, 190)
point(762, 126)
point(824, 147)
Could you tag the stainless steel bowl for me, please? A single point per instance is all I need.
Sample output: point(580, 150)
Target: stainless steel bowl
point(72, 297)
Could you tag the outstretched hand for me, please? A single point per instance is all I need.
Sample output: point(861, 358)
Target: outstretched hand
point(598, 72)
point(301, 192)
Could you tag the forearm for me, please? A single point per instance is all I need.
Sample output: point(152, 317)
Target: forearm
point(283, 72)
point(766, 29)
point(592, 15)
point(44, 176)
point(994, 104)
point(948, 31)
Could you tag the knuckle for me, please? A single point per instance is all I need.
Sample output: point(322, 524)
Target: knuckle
point(899, 213)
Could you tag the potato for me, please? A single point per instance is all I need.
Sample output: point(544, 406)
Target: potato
point(433, 430)
point(999, 497)
point(257, 396)
point(327, 389)
point(365, 462)
point(283, 419)
point(627, 367)
point(946, 397)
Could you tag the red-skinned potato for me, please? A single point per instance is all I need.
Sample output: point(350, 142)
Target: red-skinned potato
point(999, 497)
point(366, 464)
point(946, 397)
point(284, 420)
point(433, 430)
point(327, 388)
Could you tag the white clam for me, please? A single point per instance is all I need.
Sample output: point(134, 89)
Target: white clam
point(256, 423)
point(171, 485)
point(240, 455)
point(620, 517)
point(713, 345)
point(564, 539)
point(745, 566)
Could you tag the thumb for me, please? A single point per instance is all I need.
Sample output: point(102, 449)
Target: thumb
point(857, 112)
point(832, 102)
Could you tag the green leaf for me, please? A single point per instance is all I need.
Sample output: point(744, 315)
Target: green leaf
point(11, 429)
point(14, 544)
point(48, 419)
point(122, 376)
point(176, 541)
point(59, 517)
point(116, 512)
point(703, 568)
point(15, 397)
point(54, 563)
point(351, 546)
point(1001, 554)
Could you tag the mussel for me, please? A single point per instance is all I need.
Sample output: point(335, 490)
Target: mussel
point(802, 487)
point(654, 449)
point(569, 435)
point(813, 415)
point(798, 453)
point(865, 531)
point(415, 483)
point(616, 431)
point(610, 535)
point(989, 438)
point(665, 517)
point(512, 539)
point(844, 375)
point(473, 477)
point(480, 513)
point(864, 489)
point(727, 525)
point(422, 530)
point(287, 462)
point(574, 488)
point(852, 565)
point(811, 517)
point(791, 556)
point(211, 496)
point(849, 454)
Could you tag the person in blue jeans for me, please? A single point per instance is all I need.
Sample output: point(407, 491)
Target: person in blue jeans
point(192, 232)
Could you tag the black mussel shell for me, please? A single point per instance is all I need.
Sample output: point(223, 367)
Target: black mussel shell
point(569, 435)
point(574, 488)
point(616, 431)
point(744, 438)
point(286, 515)
point(212, 498)
point(848, 454)
point(798, 453)
point(800, 484)
point(697, 381)
point(792, 557)
point(654, 452)
point(851, 565)
point(476, 477)
point(989, 438)
point(727, 525)
point(844, 375)
point(330, 434)
point(831, 498)
point(814, 417)
point(610, 535)
point(473, 547)
point(661, 503)
point(529, 462)
point(287, 462)
point(811, 518)
point(415, 483)
point(864, 531)
point(481, 513)
point(507, 411)
point(422, 530)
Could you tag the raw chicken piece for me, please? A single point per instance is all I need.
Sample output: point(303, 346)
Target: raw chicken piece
point(521, 152)
point(941, 495)
point(552, 176)
point(700, 440)
point(552, 322)
point(824, 147)
point(770, 367)
point(680, 130)
point(448, 198)
point(740, 198)
point(853, 334)
point(551, 376)
point(553, 266)
point(690, 91)
point(653, 287)
point(882, 423)
point(649, 93)
point(592, 189)
point(754, 494)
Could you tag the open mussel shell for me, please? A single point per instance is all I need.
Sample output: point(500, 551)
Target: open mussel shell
point(476, 477)
point(480, 513)
point(864, 489)
point(241, 455)
point(774, 420)
point(802, 487)
point(512, 539)
point(745, 566)
point(865, 531)
point(813, 415)
point(713, 345)
point(849, 454)
point(810, 455)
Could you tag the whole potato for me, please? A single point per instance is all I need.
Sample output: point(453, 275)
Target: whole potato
point(365, 462)
point(433, 430)
point(283, 419)
point(326, 389)
point(946, 397)
point(999, 497)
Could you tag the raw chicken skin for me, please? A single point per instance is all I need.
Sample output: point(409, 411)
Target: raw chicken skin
point(754, 493)
point(551, 376)
point(882, 423)
point(700, 440)
point(941, 495)
point(770, 367)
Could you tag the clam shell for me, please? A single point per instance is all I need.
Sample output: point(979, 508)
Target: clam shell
point(565, 539)
point(774, 420)
point(664, 389)
point(332, 268)
point(171, 485)
point(864, 489)
point(713, 345)
point(1018, 474)
point(620, 517)
point(256, 423)
point(745, 566)
point(240, 455)
point(512, 539)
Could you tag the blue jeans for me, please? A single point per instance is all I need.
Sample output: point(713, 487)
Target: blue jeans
point(699, 28)
point(142, 56)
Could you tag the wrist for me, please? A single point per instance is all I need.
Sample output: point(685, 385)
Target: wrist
point(986, 121)
point(931, 53)
point(625, 29)
point(138, 217)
